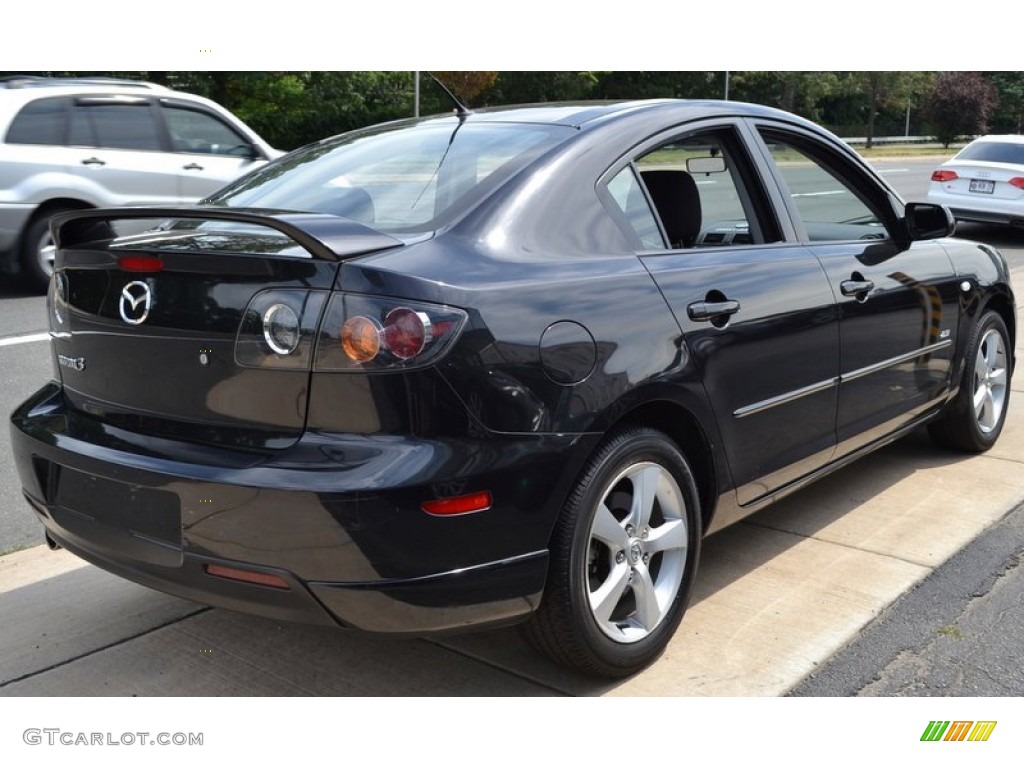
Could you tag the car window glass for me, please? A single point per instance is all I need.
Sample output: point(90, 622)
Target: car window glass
point(697, 189)
point(993, 152)
point(114, 126)
point(40, 122)
point(397, 179)
point(828, 205)
point(628, 195)
point(194, 131)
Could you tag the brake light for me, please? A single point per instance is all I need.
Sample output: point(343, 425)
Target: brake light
point(370, 333)
point(1017, 181)
point(944, 175)
point(139, 263)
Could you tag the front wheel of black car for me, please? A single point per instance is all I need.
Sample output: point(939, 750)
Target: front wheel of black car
point(623, 558)
point(973, 420)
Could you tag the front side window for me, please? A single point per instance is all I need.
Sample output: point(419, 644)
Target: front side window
point(198, 132)
point(114, 126)
point(828, 204)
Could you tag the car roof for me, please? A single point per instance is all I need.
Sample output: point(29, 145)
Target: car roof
point(579, 114)
point(34, 82)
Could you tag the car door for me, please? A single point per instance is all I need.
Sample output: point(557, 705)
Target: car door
point(897, 305)
point(117, 146)
point(757, 313)
point(208, 152)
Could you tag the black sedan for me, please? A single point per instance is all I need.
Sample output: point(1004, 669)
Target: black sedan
point(509, 366)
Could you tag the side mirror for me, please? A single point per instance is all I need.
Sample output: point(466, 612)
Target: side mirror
point(926, 221)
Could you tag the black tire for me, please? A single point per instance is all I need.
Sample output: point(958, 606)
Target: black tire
point(36, 268)
point(644, 558)
point(974, 419)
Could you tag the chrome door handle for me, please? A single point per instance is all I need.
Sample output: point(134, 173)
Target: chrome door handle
point(93, 161)
point(703, 311)
point(192, 167)
point(856, 287)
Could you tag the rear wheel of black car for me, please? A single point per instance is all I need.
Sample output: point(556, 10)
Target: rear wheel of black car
point(623, 558)
point(973, 420)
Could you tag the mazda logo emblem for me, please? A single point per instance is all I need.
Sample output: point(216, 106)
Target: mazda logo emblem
point(136, 301)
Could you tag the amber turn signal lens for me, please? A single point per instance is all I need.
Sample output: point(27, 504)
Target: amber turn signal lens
point(360, 338)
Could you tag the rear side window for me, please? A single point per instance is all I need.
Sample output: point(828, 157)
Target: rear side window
point(993, 152)
point(43, 121)
point(114, 126)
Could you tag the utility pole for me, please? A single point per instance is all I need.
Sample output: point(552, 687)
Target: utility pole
point(726, 97)
point(415, 94)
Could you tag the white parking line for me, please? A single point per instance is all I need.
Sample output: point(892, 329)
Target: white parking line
point(892, 170)
point(27, 339)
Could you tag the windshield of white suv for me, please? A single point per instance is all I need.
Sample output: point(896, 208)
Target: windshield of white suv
point(411, 178)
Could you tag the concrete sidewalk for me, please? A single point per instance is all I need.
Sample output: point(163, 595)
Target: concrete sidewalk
point(776, 596)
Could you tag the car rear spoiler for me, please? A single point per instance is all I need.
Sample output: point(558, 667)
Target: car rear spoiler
point(327, 237)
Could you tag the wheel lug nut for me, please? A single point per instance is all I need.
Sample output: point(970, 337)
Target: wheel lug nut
point(647, 558)
point(630, 530)
point(620, 557)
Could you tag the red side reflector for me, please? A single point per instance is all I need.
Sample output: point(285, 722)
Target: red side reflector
point(140, 263)
point(1017, 181)
point(252, 577)
point(458, 505)
point(944, 176)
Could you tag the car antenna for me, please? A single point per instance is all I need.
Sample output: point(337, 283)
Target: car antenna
point(461, 110)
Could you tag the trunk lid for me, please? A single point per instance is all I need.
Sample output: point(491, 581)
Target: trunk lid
point(201, 330)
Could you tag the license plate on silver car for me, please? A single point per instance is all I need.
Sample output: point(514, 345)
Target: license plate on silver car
point(983, 186)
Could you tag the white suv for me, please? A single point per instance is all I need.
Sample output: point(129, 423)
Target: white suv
point(81, 143)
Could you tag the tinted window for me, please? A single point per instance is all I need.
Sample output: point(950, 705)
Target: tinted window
point(993, 152)
point(194, 131)
point(399, 178)
point(628, 195)
point(829, 206)
point(701, 192)
point(114, 126)
point(40, 122)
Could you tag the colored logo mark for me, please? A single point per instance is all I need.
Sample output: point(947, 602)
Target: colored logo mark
point(958, 730)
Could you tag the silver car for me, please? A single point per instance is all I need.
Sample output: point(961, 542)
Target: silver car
point(74, 143)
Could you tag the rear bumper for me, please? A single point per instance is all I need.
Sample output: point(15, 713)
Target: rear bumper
point(336, 519)
point(979, 208)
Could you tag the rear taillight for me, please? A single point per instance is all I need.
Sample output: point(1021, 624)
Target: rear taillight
point(943, 175)
point(372, 333)
point(278, 329)
point(1017, 181)
point(356, 333)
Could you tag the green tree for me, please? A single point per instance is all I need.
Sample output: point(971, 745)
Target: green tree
point(1009, 116)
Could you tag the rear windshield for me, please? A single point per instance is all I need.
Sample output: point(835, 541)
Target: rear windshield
point(993, 152)
point(412, 178)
